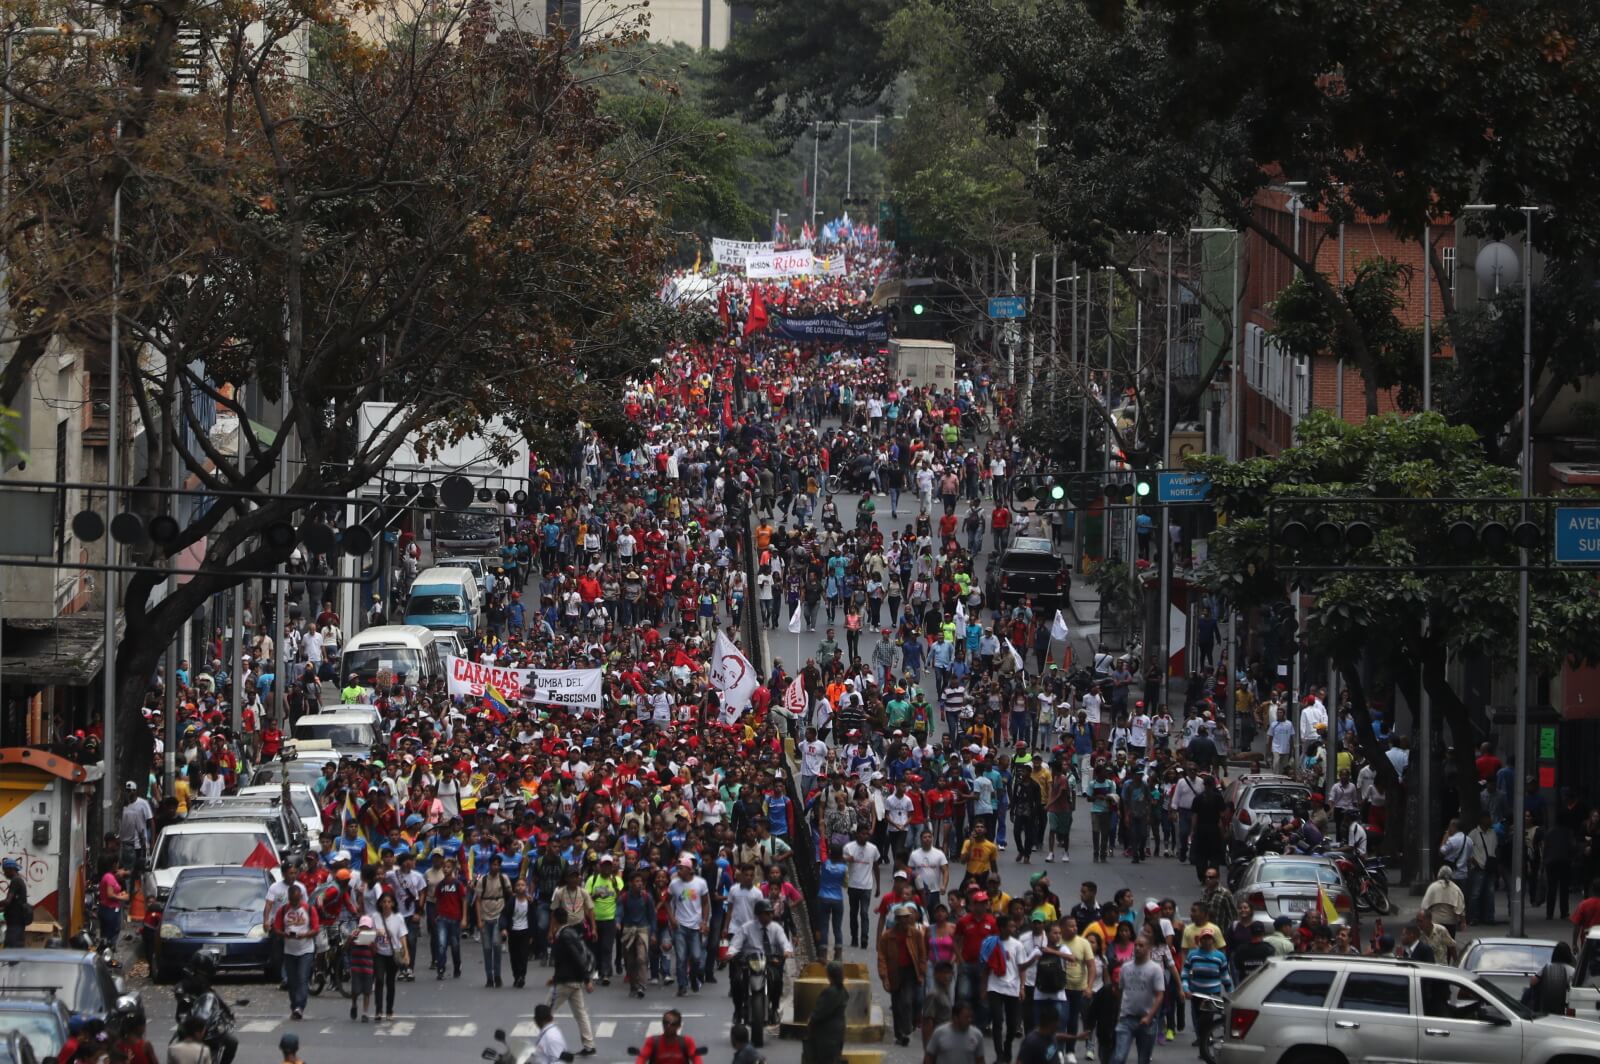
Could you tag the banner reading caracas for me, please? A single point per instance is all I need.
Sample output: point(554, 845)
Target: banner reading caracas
point(582, 688)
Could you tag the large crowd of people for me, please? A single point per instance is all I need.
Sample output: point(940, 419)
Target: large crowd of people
point(935, 727)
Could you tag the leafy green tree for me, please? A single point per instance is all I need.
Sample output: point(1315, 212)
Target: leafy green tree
point(450, 225)
point(1400, 626)
point(803, 61)
point(1163, 112)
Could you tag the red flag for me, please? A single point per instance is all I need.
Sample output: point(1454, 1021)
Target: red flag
point(261, 857)
point(722, 310)
point(758, 313)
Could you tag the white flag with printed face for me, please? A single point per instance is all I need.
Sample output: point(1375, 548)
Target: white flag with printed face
point(797, 624)
point(732, 675)
point(961, 622)
point(1058, 629)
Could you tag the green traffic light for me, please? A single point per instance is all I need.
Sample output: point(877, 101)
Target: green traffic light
point(916, 308)
point(1058, 492)
point(1144, 488)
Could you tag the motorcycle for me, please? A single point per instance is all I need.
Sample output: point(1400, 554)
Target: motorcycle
point(1210, 1011)
point(206, 1005)
point(328, 968)
point(1368, 879)
point(751, 1006)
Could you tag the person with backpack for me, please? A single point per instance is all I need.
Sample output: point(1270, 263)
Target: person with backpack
point(671, 1046)
point(573, 976)
point(492, 891)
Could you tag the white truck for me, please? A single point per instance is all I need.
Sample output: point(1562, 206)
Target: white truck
point(923, 363)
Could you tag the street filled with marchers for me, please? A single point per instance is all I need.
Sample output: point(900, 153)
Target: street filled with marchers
point(536, 541)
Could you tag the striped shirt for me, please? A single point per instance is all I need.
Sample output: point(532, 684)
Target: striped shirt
point(1205, 971)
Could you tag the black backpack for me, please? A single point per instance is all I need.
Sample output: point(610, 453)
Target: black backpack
point(1050, 974)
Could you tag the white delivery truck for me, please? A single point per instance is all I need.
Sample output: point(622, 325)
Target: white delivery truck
point(923, 363)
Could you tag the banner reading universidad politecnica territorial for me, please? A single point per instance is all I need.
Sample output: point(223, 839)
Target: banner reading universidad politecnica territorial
point(829, 327)
point(582, 688)
point(735, 252)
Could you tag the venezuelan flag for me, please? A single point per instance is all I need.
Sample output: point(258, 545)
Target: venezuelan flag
point(495, 702)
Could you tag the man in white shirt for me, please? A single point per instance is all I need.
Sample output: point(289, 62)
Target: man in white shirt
point(862, 882)
point(1139, 726)
point(1280, 740)
point(930, 871)
point(1313, 721)
point(549, 1045)
point(742, 898)
point(897, 808)
point(763, 934)
point(1092, 704)
point(813, 761)
point(1005, 989)
point(689, 913)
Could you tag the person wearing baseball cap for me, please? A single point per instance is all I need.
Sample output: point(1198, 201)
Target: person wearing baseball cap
point(18, 910)
point(1206, 971)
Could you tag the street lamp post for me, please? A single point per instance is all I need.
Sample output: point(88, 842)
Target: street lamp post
point(1235, 434)
point(1519, 775)
point(1163, 628)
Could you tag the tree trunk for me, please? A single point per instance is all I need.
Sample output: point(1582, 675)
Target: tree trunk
point(1388, 780)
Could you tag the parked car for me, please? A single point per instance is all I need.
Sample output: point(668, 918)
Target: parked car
point(1509, 962)
point(80, 981)
point(1583, 997)
point(305, 769)
point(43, 1022)
point(215, 908)
point(281, 818)
point(16, 1049)
point(1288, 885)
point(1330, 1009)
point(1261, 797)
point(211, 842)
point(1030, 568)
point(302, 797)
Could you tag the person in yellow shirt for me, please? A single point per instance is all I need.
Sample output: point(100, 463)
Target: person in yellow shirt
point(1199, 924)
point(979, 855)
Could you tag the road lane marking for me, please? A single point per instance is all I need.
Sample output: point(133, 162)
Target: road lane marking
point(397, 1029)
point(461, 1030)
point(259, 1026)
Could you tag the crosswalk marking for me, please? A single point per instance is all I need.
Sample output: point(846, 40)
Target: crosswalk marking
point(259, 1026)
point(461, 1030)
point(397, 1029)
point(605, 1029)
point(525, 1030)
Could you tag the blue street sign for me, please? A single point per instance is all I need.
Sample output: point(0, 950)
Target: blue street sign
point(1004, 308)
point(1182, 487)
point(1578, 535)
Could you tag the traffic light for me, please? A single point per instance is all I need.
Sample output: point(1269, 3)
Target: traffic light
point(917, 308)
point(1142, 486)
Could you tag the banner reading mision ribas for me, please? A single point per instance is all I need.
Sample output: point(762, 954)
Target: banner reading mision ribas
point(562, 687)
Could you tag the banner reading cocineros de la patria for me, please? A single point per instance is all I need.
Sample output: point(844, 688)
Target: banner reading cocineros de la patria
point(734, 252)
point(582, 688)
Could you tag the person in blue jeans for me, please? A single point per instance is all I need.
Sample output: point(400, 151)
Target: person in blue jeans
point(830, 904)
point(689, 913)
point(1144, 985)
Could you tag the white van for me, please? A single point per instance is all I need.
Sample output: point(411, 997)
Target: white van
point(403, 651)
point(446, 599)
point(207, 842)
point(349, 731)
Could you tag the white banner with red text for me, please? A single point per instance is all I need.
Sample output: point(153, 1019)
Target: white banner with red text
point(582, 688)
